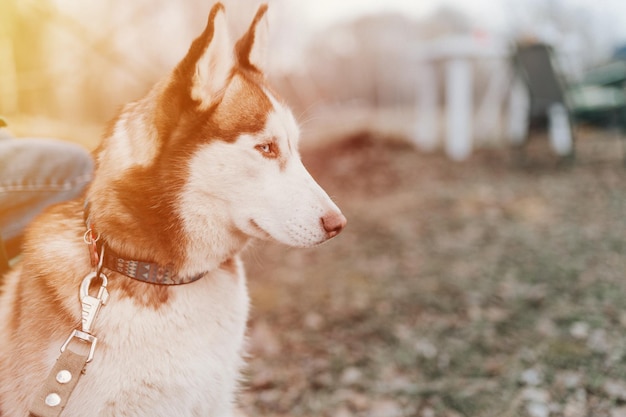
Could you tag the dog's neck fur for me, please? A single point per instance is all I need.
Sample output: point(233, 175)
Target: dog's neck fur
point(149, 227)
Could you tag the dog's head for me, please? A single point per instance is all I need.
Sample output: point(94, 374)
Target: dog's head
point(213, 150)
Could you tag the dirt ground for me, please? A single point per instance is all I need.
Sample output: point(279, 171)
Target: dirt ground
point(492, 287)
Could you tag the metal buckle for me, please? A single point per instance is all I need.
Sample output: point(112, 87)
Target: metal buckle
point(85, 337)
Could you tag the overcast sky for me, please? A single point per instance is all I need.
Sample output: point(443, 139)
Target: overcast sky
point(497, 15)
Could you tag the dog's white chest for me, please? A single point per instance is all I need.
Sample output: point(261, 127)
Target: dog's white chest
point(180, 359)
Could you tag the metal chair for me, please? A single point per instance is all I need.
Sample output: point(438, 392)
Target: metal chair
point(547, 101)
point(550, 96)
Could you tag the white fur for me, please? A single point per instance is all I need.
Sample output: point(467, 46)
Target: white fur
point(188, 354)
point(233, 185)
point(179, 360)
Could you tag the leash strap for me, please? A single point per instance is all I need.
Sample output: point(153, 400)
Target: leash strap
point(53, 396)
point(67, 370)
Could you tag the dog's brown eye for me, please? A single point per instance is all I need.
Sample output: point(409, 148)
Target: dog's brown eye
point(268, 150)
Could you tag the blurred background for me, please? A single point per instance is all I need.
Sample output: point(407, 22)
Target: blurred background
point(476, 148)
point(78, 62)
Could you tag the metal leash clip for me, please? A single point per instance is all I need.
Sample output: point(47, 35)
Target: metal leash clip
point(90, 306)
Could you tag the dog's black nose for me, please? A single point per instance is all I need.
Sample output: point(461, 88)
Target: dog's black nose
point(333, 223)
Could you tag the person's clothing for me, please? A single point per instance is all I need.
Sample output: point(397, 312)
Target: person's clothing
point(35, 173)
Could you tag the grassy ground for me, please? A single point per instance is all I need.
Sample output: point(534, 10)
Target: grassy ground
point(484, 288)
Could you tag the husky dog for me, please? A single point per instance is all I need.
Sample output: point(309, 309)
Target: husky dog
point(185, 178)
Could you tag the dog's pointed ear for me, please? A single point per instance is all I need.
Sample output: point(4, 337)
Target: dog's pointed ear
point(209, 62)
point(251, 49)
